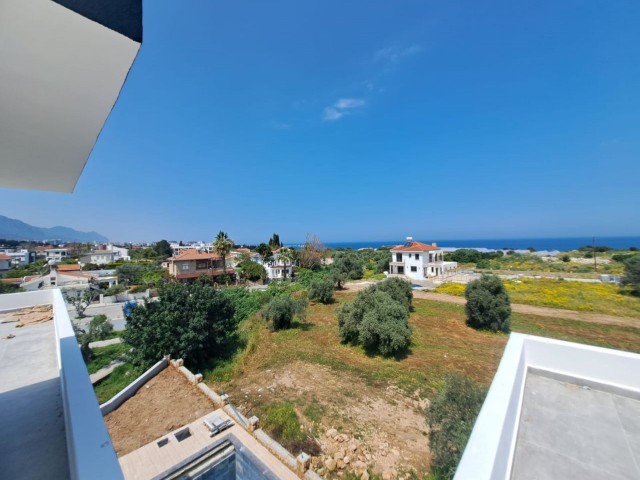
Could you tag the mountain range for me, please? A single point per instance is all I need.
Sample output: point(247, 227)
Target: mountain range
point(12, 229)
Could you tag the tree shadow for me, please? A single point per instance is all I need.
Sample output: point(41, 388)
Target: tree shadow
point(304, 326)
point(398, 356)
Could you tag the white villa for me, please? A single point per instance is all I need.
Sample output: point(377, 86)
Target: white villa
point(419, 261)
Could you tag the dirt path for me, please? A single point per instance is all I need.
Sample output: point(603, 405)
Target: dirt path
point(526, 309)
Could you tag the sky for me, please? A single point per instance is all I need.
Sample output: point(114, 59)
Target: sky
point(367, 121)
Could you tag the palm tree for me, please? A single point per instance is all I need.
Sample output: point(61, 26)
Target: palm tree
point(223, 245)
point(285, 255)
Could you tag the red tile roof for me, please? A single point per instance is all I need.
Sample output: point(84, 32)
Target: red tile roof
point(4, 257)
point(192, 254)
point(414, 247)
point(74, 267)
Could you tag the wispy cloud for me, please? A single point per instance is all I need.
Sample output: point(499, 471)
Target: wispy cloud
point(395, 54)
point(341, 108)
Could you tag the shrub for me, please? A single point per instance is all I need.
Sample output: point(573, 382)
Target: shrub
point(376, 320)
point(188, 321)
point(281, 310)
point(451, 417)
point(321, 291)
point(245, 302)
point(100, 327)
point(632, 273)
point(566, 258)
point(488, 305)
point(400, 290)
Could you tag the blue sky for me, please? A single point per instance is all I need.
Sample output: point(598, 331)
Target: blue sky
point(367, 121)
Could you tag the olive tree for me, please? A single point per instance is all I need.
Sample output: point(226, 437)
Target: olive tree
point(632, 273)
point(488, 304)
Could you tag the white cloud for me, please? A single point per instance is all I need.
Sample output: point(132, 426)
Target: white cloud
point(331, 114)
point(346, 103)
point(394, 54)
point(342, 108)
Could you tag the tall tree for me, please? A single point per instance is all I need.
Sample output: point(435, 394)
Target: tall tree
point(312, 253)
point(285, 255)
point(265, 251)
point(274, 241)
point(163, 249)
point(223, 245)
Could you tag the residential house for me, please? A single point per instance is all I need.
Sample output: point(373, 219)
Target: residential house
point(19, 257)
point(57, 254)
point(100, 257)
point(191, 264)
point(198, 246)
point(276, 268)
point(5, 262)
point(419, 261)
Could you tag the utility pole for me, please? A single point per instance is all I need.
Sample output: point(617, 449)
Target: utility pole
point(595, 263)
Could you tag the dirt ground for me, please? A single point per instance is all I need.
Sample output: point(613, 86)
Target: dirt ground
point(28, 316)
point(162, 405)
point(361, 426)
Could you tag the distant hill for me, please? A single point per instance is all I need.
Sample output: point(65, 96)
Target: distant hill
point(11, 229)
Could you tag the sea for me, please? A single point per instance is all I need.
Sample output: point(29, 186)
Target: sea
point(540, 244)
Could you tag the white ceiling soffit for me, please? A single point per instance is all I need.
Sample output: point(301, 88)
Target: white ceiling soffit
point(62, 65)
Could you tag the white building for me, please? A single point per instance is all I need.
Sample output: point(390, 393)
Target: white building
point(197, 246)
point(57, 254)
point(121, 252)
point(19, 257)
point(557, 409)
point(99, 257)
point(5, 262)
point(276, 269)
point(419, 261)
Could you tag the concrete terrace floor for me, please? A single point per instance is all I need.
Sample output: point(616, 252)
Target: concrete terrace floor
point(569, 431)
point(33, 442)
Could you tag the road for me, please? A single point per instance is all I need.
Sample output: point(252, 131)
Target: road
point(113, 311)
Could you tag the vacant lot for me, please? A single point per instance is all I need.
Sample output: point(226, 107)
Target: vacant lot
point(378, 403)
point(579, 296)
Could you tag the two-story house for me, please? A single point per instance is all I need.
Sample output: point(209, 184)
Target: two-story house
point(57, 254)
point(419, 261)
point(191, 264)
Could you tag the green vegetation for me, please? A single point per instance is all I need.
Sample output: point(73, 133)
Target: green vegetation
point(321, 291)
point(378, 318)
point(103, 356)
point(281, 311)
point(451, 416)
point(586, 297)
point(9, 288)
point(222, 245)
point(80, 301)
point(141, 273)
point(189, 322)
point(250, 270)
point(632, 273)
point(488, 305)
point(36, 268)
point(116, 381)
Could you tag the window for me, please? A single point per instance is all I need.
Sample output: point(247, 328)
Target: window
point(417, 257)
point(414, 269)
point(201, 265)
point(184, 266)
point(398, 257)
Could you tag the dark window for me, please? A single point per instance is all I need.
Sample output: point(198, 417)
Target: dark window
point(417, 257)
point(398, 257)
point(202, 264)
point(414, 269)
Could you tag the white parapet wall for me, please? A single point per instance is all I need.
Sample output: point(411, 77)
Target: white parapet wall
point(490, 450)
point(91, 455)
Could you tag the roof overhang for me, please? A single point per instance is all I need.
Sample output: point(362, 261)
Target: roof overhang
point(490, 452)
point(62, 65)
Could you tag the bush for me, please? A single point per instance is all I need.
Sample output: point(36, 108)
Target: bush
point(245, 302)
point(488, 305)
point(566, 258)
point(321, 291)
point(376, 320)
point(188, 321)
point(451, 417)
point(100, 327)
point(400, 290)
point(281, 310)
point(632, 273)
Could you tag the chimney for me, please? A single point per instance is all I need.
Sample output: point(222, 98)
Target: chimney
point(434, 244)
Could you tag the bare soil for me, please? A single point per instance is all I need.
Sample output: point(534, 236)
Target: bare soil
point(384, 429)
point(163, 404)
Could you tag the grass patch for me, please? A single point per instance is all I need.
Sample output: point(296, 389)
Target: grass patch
point(103, 356)
point(584, 297)
point(281, 421)
point(119, 378)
